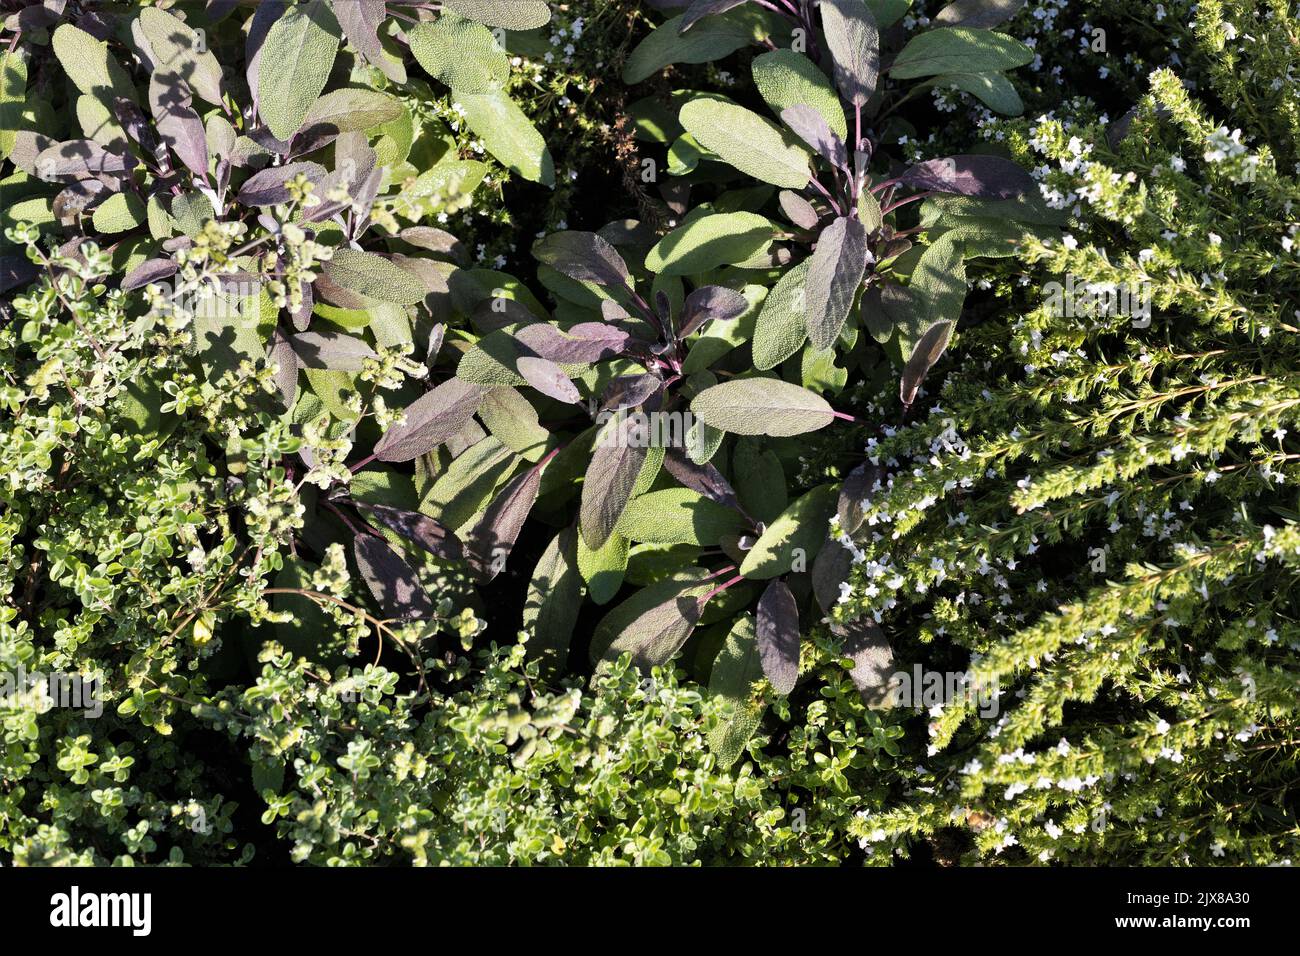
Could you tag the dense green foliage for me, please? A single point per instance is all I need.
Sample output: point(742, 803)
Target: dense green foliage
point(503, 432)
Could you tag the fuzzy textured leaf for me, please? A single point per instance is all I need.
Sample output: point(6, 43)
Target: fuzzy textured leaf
point(294, 63)
point(958, 50)
point(793, 538)
point(762, 406)
point(834, 275)
point(854, 41)
point(751, 143)
point(430, 421)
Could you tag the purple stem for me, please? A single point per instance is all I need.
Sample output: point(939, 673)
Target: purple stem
point(362, 463)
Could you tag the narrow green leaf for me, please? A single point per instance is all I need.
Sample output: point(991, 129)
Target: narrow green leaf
point(509, 135)
point(762, 406)
point(735, 671)
point(707, 240)
point(792, 540)
point(294, 63)
point(958, 50)
point(751, 143)
point(785, 78)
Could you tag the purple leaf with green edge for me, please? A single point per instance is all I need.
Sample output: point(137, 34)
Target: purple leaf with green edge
point(658, 634)
point(867, 647)
point(326, 288)
point(583, 256)
point(854, 41)
point(811, 127)
point(798, 210)
point(416, 528)
point(437, 241)
point(361, 20)
point(490, 541)
point(711, 303)
point(629, 391)
point(834, 275)
point(334, 351)
point(549, 379)
point(977, 14)
point(76, 158)
point(576, 345)
point(430, 421)
point(857, 488)
point(699, 9)
point(267, 188)
point(927, 351)
point(986, 177)
point(394, 584)
point(615, 464)
point(280, 353)
point(778, 636)
point(705, 478)
point(151, 270)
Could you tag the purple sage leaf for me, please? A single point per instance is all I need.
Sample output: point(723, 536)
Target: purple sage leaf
point(584, 256)
point(549, 379)
point(699, 9)
point(267, 188)
point(834, 274)
point(152, 270)
point(987, 177)
point(711, 303)
point(394, 584)
point(854, 41)
point(811, 127)
point(490, 541)
point(778, 636)
point(334, 351)
point(416, 528)
point(430, 421)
